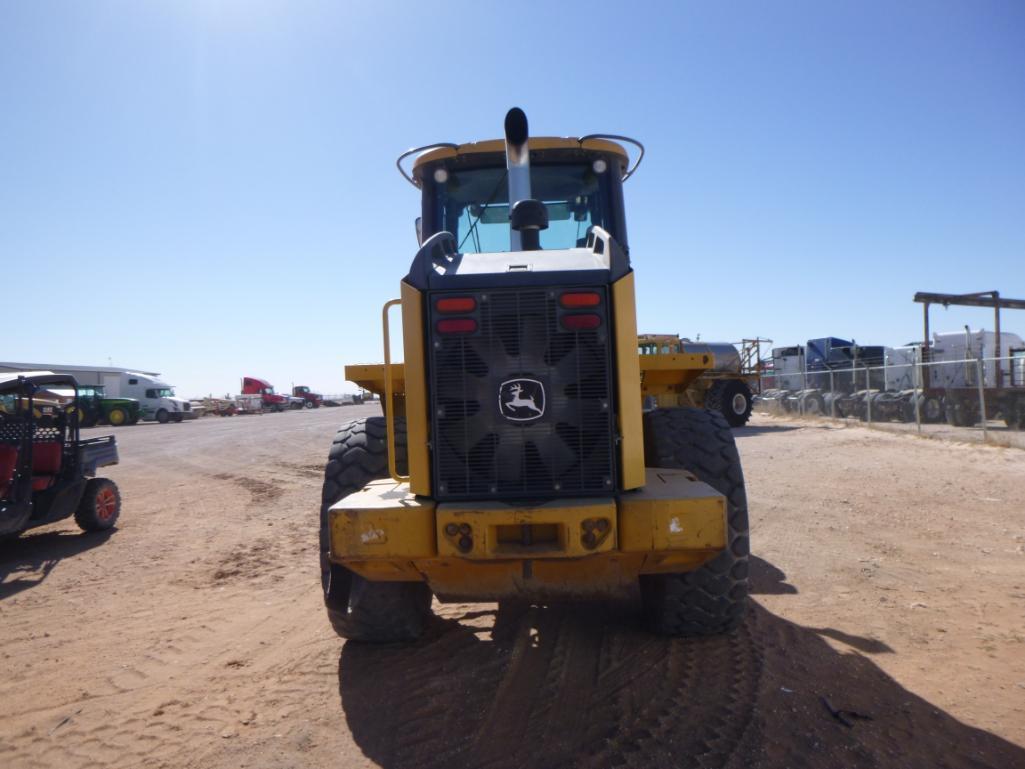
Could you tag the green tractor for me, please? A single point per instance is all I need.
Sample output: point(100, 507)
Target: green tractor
point(95, 408)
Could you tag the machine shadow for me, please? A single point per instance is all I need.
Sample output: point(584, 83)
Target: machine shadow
point(767, 579)
point(28, 560)
point(749, 430)
point(587, 686)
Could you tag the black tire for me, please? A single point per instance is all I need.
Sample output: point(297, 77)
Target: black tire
point(358, 609)
point(309, 405)
point(162, 416)
point(711, 599)
point(732, 398)
point(814, 405)
point(1014, 416)
point(930, 409)
point(960, 413)
point(100, 505)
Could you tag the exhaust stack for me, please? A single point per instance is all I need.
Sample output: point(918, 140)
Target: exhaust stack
point(517, 155)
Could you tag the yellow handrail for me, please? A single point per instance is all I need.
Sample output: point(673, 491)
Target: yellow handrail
point(389, 410)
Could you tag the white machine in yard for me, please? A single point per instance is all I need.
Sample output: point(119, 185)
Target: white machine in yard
point(157, 398)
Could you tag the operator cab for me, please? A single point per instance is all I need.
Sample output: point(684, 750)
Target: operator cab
point(465, 191)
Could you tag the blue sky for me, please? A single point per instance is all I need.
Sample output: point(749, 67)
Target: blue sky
point(208, 189)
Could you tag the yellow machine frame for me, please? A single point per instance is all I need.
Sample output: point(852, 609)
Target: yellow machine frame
point(662, 521)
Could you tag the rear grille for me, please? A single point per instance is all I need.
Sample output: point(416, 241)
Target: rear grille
point(521, 407)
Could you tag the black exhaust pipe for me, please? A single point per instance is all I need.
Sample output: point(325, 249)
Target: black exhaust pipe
point(527, 217)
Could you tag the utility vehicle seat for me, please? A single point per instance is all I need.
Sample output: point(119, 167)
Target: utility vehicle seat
point(8, 464)
point(46, 464)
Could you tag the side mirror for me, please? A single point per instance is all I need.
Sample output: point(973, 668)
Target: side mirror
point(419, 231)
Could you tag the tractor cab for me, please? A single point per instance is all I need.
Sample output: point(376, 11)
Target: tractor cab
point(46, 469)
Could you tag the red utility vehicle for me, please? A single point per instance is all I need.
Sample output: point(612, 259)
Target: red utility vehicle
point(270, 399)
point(312, 400)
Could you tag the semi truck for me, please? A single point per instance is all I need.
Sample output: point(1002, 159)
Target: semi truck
point(270, 400)
point(311, 400)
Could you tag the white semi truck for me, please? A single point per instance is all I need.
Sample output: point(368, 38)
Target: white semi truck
point(157, 400)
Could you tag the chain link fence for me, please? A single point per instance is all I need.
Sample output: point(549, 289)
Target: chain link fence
point(975, 398)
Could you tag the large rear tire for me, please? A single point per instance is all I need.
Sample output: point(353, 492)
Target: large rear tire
point(731, 397)
point(711, 599)
point(358, 609)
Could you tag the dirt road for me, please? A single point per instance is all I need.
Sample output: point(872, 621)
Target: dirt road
point(889, 580)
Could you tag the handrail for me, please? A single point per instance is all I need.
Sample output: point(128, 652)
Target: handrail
point(617, 137)
point(389, 410)
point(398, 163)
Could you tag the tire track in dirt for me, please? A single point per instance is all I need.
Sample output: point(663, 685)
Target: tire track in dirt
point(553, 687)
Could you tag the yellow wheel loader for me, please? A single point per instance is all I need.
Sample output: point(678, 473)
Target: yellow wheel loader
point(514, 459)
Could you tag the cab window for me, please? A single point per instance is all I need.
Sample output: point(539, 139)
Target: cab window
point(473, 204)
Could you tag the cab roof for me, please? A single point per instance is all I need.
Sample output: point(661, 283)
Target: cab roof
point(15, 380)
point(447, 151)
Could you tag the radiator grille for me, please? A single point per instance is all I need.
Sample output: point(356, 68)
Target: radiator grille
point(521, 407)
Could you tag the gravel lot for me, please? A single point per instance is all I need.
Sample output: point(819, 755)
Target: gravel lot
point(889, 579)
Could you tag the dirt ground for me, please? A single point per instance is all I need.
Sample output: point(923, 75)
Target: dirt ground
point(888, 579)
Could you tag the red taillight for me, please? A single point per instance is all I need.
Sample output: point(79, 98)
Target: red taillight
point(457, 326)
point(580, 299)
point(456, 304)
point(581, 321)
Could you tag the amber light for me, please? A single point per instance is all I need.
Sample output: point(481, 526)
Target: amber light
point(457, 326)
point(580, 299)
point(457, 304)
point(581, 321)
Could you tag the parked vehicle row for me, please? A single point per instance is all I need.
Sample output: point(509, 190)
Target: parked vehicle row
point(117, 396)
point(942, 382)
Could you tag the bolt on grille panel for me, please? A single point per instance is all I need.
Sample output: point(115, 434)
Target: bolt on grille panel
point(489, 440)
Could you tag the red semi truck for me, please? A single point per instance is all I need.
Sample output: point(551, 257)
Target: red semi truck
point(270, 399)
point(312, 400)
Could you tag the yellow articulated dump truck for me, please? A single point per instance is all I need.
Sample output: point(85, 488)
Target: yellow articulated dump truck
point(708, 375)
point(514, 459)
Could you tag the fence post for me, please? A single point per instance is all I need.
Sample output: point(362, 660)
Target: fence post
point(916, 382)
point(868, 395)
point(982, 397)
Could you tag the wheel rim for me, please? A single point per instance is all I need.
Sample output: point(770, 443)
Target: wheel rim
point(116, 417)
point(739, 404)
point(81, 417)
point(811, 406)
point(106, 503)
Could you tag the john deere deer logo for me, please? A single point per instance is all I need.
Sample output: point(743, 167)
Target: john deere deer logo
point(521, 400)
